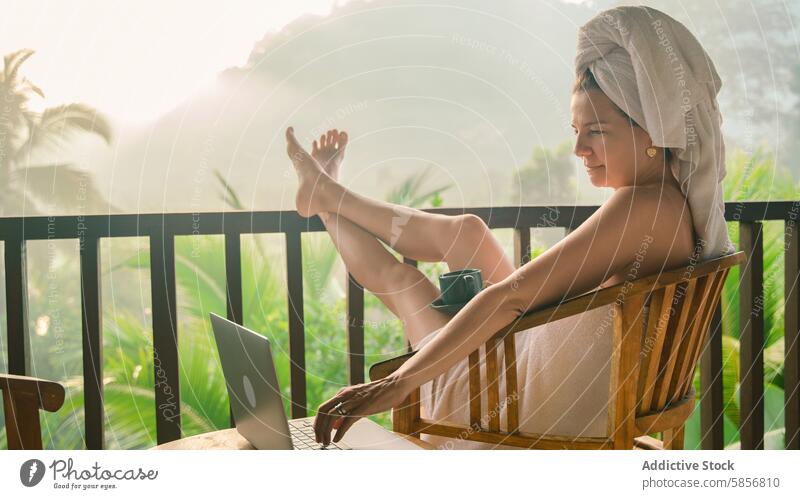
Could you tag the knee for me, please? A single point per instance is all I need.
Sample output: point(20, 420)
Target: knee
point(470, 229)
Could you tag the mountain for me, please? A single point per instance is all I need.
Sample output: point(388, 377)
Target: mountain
point(467, 88)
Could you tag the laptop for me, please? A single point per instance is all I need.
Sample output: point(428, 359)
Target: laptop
point(257, 403)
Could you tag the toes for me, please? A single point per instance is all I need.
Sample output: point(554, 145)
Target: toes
point(314, 148)
point(333, 138)
point(290, 135)
point(293, 148)
point(291, 141)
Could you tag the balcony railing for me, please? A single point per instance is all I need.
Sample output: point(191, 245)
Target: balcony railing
point(161, 229)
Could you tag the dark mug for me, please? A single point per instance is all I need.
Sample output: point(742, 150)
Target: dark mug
point(460, 286)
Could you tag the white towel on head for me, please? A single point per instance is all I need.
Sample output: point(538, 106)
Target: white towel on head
point(655, 70)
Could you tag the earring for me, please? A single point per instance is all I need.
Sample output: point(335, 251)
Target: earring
point(651, 151)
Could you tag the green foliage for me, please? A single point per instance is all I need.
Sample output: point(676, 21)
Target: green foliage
point(408, 192)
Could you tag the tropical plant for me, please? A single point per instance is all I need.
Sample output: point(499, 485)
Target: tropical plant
point(408, 192)
point(753, 177)
point(25, 133)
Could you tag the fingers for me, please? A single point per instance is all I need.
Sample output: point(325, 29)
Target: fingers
point(323, 420)
point(320, 424)
point(345, 425)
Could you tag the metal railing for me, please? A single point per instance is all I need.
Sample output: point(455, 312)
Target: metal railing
point(161, 230)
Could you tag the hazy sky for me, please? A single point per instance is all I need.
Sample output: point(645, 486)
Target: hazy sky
point(120, 56)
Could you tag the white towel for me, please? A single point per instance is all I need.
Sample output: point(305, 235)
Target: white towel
point(655, 70)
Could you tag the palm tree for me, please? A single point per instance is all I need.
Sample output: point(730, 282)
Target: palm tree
point(24, 133)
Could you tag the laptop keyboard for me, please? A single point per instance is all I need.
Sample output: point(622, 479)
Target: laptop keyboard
point(303, 436)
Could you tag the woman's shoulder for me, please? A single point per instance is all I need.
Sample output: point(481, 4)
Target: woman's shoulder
point(661, 214)
point(664, 204)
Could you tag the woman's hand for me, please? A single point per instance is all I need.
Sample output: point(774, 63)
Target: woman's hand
point(354, 402)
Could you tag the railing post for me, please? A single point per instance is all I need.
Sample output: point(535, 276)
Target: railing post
point(165, 336)
point(233, 287)
point(355, 330)
point(92, 337)
point(19, 342)
point(751, 324)
point(791, 368)
point(711, 404)
point(522, 246)
point(297, 349)
point(233, 278)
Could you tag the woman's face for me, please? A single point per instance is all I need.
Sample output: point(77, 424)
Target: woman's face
point(612, 150)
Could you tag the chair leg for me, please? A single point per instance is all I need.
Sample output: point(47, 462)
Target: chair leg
point(673, 439)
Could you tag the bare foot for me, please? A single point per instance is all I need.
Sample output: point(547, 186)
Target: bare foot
point(329, 152)
point(315, 184)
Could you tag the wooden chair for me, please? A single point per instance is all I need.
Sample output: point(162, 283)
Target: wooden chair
point(23, 396)
point(660, 325)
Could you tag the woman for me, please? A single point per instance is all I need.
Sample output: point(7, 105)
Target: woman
point(631, 118)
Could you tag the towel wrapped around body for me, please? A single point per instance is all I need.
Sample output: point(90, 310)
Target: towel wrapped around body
point(563, 372)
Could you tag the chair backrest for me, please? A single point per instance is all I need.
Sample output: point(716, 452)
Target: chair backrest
point(674, 331)
point(23, 396)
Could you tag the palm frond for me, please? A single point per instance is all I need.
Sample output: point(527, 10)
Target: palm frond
point(13, 61)
point(27, 85)
point(229, 195)
point(60, 186)
point(17, 202)
point(421, 199)
point(57, 124)
point(407, 192)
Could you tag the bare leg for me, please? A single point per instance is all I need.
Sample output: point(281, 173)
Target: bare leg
point(461, 241)
point(404, 290)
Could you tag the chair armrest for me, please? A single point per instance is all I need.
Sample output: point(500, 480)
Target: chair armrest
point(384, 368)
point(49, 393)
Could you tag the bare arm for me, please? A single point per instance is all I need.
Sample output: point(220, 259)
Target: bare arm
point(607, 243)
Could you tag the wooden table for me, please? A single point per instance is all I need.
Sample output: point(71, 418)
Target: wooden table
point(230, 439)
